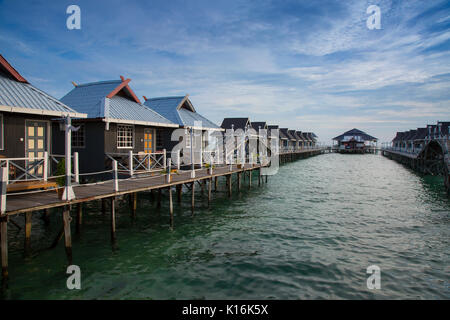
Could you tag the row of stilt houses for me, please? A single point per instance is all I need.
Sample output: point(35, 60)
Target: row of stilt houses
point(423, 149)
point(100, 142)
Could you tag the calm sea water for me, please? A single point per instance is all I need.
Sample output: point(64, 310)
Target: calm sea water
point(310, 233)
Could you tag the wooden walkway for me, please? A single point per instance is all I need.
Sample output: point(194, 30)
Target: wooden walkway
point(16, 204)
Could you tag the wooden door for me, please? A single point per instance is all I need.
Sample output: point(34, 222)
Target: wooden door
point(149, 137)
point(35, 144)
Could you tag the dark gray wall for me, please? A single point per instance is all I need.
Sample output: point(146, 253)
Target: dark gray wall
point(14, 131)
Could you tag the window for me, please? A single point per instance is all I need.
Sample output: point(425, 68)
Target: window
point(125, 136)
point(78, 139)
point(1, 132)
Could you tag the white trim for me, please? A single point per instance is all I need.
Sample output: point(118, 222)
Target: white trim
point(42, 112)
point(133, 136)
point(142, 123)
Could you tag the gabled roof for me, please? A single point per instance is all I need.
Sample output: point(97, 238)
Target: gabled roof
point(445, 127)
point(179, 110)
point(17, 95)
point(287, 134)
point(299, 135)
point(236, 123)
point(259, 124)
point(355, 132)
point(113, 101)
point(421, 133)
point(293, 135)
point(311, 136)
point(398, 136)
point(273, 126)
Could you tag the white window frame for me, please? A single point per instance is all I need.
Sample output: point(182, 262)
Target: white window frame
point(132, 136)
point(82, 127)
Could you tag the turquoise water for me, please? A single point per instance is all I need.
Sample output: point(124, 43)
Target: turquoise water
point(310, 233)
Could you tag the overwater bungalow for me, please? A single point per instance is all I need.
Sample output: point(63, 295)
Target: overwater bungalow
point(180, 110)
point(355, 141)
point(118, 126)
point(291, 141)
point(29, 124)
point(303, 139)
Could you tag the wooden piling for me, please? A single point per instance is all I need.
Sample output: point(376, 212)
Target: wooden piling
point(133, 198)
point(215, 184)
point(79, 218)
point(103, 206)
point(239, 181)
point(46, 216)
point(113, 219)
point(171, 207)
point(67, 235)
point(192, 197)
point(158, 205)
point(179, 189)
point(27, 232)
point(229, 185)
point(249, 179)
point(4, 247)
point(209, 190)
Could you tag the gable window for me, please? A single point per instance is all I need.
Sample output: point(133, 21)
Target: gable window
point(125, 136)
point(78, 137)
point(1, 132)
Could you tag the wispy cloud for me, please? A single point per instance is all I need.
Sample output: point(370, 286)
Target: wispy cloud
point(302, 64)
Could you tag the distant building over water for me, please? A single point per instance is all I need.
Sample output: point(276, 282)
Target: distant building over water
point(355, 141)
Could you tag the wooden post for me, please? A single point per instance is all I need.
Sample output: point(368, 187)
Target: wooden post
point(239, 181)
point(4, 247)
point(171, 207)
point(192, 197)
point(133, 199)
point(79, 218)
point(158, 205)
point(67, 235)
point(259, 177)
point(229, 185)
point(209, 190)
point(215, 184)
point(4, 223)
point(27, 232)
point(46, 216)
point(113, 219)
point(250, 178)
point(179, 189)
point(103, 206)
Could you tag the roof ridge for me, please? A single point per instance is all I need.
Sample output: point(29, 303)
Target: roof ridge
point(98, 82)
point(168, 97)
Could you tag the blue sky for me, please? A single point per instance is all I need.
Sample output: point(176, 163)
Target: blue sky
point(306, 65)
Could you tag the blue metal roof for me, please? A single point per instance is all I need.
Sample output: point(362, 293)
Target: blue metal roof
point(23, 97)
point(171, 108)
point(91, 99)
point(87, 98)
